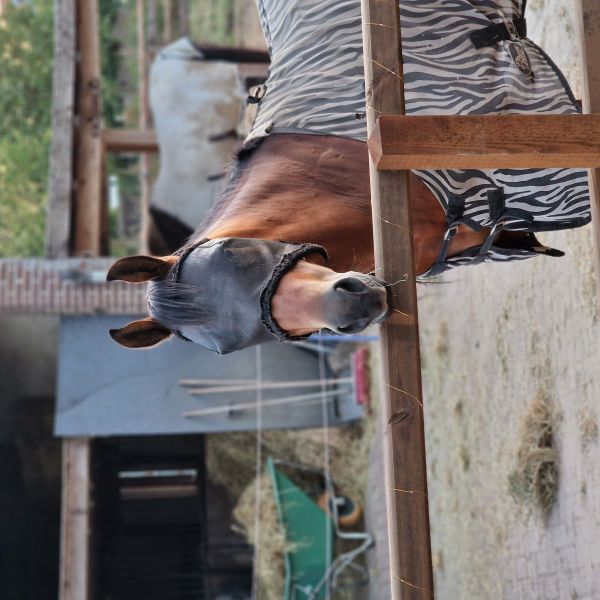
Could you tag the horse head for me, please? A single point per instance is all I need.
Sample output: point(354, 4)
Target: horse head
point(230, 293)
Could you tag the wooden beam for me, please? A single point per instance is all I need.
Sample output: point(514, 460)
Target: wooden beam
point(143, 122)
point(89, 158)
point(589, 19)
point(74, 580)
point(404, 441)
point(129, 140)
point(167, 35)
point(58, 208)
point(486, 142)
point(183, 16)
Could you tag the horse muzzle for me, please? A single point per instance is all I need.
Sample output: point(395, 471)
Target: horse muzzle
point(354, 302)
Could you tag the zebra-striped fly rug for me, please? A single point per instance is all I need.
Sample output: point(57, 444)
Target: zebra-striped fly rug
point(460, 57)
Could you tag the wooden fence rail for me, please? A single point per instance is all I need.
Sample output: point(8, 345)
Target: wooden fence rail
point(404, 441)
point(399, 142)
point(486, 142)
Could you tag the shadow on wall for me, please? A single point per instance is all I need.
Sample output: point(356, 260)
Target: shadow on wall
point(29, 460)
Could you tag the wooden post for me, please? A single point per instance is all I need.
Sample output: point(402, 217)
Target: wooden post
point(58, 208)
point(89, 158)
point(404, 441)
point(167, 34)
point(183, 15)
point(589, 18)
point(143, 121)
point(74, 583)
point(152, 29)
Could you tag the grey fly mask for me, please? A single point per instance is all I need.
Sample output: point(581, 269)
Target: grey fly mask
point(219, 292)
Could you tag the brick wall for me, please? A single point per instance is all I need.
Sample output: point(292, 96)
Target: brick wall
point(71, 286)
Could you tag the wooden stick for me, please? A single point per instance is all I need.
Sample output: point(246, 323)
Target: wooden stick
point(214, 410)
point(402, 410)
point(277, 385)
point(287, 383)
point(485, 142)
point(194, 382)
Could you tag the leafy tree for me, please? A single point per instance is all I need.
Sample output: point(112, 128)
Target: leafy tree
point(26, 50)
point(25, 99)
point(23, 182)
point(110, 47)
point(26, 47)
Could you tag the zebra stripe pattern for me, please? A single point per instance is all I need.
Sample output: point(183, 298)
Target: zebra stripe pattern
point(316, 86)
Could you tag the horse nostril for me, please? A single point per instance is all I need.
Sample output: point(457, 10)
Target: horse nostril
point(355, 327)
point(352, 285)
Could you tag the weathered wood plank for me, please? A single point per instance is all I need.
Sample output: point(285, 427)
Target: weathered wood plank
point(589, 18)
point(404, 442)
point(143, 122)
point(58, 208)
point(89, 157)
point(167, 8)
point(589, 11)
point(486, 142)
point(129, 140)
point(74, 581)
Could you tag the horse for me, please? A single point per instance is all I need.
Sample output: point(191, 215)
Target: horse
point(287, 250)
point(196, 96)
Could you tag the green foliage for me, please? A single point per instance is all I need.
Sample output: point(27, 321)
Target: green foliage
point(26, 46)
point(212, 21)
point(110, 47)
point(26, 50)
point(23, 175)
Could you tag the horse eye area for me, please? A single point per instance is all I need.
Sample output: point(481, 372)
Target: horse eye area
point(351, 285)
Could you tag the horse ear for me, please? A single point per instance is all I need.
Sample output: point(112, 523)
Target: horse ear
point(140, 334)
point(136, 269)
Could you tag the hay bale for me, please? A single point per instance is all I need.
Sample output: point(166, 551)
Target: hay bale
point(534, 481)
point(231, 457)
point(270, 561)
point(231, 462)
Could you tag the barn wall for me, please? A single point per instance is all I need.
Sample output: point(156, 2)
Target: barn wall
point(65, 286)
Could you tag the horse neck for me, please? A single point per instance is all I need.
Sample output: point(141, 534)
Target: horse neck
point(303, 188)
